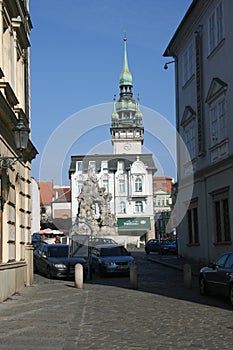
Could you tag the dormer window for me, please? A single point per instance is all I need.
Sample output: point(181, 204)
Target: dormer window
point(79, 166)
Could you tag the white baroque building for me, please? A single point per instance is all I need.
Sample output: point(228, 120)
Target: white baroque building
point(128, 173)
point(202, 48)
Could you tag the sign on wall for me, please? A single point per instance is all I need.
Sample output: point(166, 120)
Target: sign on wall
point(142, 223)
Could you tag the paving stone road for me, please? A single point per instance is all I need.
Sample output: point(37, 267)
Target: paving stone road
point(107, 314)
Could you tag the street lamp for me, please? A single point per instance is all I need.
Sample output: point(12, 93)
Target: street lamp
point(21, 135)
point(166, 65)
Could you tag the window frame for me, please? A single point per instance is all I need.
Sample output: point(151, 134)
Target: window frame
point(192, 224)
point(121, 185)
point(221, 216)
point(122, 207)
point(215, 27)
point(138, 184)
point(79, 166)
point(138, 207)
point(188, 63)
point(104, 182)
point(218, 121)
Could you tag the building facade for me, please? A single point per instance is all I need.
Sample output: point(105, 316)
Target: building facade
point(128, 173)
point(201, 48)
point(55, 206)
point(16, 266)
point(162, 191)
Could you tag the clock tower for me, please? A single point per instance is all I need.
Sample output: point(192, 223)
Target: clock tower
point(126, 129)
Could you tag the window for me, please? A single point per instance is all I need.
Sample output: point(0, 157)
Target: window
point(190, 139)
point(193, 233)
point(79, 166)
point(138, 185)
point(121, 166)
point(122, 207)
point(188, 63)
point(122, 186)
point(104, 165)
point(218, 121)
point(221, 216)
point(92, 165)
point(216, 27)
point(164, 184)
point(138, 207)
point(106, 185)
point(80, 185)
point(189, 124)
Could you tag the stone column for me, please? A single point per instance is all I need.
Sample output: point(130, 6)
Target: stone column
point(29, 261)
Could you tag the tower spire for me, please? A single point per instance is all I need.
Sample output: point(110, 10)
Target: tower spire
point(126, 81)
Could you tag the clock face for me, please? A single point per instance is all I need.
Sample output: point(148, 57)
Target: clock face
point(127, 146)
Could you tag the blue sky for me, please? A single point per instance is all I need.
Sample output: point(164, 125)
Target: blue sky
point(76, 60)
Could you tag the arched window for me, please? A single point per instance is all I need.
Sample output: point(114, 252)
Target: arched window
point(138, 185)
point(122, 207)
point(138, 207)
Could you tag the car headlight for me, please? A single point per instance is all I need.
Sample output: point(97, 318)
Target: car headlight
point(108, 263)
point(60, 266)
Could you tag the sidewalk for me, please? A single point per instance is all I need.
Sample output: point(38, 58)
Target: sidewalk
point(176, 262)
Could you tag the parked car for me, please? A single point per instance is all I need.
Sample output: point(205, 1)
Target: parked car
point(37, 241)
point(101, 240)
point(161, 246)
point(217, 277)
point(53, 260)
point(111, 259)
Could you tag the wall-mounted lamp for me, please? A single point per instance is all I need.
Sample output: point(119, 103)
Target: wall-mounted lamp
point(166, 64)
point(21, 135)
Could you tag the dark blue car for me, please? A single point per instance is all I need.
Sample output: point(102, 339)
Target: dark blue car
point(53, 260)
point(161, 246)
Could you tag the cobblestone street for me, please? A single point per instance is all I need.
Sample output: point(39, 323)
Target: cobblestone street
point(108, 314)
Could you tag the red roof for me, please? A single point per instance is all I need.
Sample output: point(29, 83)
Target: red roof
point(46, 192)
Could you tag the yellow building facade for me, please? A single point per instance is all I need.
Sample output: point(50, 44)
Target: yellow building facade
point(16, 266)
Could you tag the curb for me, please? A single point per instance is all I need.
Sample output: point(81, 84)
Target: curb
point(176, 267)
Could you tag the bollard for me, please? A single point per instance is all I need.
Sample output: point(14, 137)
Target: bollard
point(78, 276)
point(187, 276)
point(133, 276)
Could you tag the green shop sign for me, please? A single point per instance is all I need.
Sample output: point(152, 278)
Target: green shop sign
point(142, 223)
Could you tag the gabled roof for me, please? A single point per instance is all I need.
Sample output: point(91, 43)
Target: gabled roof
point(46, 192)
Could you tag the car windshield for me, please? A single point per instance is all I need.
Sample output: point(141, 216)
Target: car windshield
point(58, 252)
point(114, 251)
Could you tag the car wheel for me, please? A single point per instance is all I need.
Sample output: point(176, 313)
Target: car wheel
point(231, 294)
point(202, 286)
point(48, 273)
point(147, 252)
point(35, 267)
point(100, 271)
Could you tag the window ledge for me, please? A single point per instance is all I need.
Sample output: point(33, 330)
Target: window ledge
point(223, 243)
point(218, 47)
point(193, 244)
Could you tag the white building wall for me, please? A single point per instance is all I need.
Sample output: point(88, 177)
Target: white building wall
point(129, 196)
point(35, 216)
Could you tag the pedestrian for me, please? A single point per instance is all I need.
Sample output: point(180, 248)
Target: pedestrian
point(57, 240)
